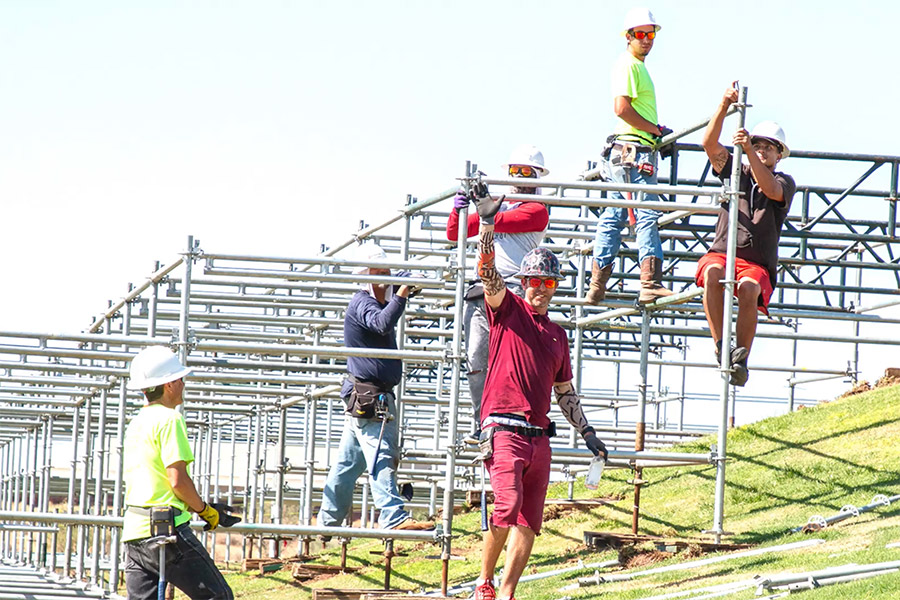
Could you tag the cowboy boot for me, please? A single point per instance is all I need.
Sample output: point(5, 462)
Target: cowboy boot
point(651, 281)
point(599, 278)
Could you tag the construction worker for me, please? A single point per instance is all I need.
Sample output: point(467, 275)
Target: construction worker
point(370, 439)
point(519, 228)
point(529, 356)
point(764, 204)
point(158, 485)
point(630, 157)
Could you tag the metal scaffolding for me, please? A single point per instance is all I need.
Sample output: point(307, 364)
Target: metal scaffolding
point(264, 335)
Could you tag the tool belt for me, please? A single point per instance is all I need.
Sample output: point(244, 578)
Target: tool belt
point(367, 400)
point(146, 511)
point(162, 518)
point(528, 431)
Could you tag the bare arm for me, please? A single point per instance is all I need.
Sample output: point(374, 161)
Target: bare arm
point(625, 111)
point(717, 153)
point(183, 487)
point(764, 176)
point(494, 286)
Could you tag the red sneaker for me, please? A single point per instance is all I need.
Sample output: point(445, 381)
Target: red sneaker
point(485, 591)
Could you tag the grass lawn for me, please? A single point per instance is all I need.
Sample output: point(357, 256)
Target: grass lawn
point(780, 472)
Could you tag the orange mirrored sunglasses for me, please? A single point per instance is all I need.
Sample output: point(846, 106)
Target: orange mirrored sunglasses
point(642, 34)
point(523, 170)
point(536, 282)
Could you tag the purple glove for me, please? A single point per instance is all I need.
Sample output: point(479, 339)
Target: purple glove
point(460, 200)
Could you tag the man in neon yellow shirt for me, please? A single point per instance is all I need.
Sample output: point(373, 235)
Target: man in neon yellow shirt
point(157, 455)
point(630, 157)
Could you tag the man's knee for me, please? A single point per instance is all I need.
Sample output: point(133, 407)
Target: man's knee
point(712, 276)
point(748, 292)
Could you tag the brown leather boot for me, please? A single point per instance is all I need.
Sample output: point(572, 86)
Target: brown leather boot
point(599, 278)
point(651, 281)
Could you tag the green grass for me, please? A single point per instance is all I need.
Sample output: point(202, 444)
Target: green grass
point(780, 471)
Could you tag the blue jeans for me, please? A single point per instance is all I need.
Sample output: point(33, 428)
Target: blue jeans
point(188, 567)
point(356, 453)
point(612, 220)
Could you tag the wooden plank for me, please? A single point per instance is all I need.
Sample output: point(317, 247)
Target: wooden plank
point(352, 594)
point(303, 571)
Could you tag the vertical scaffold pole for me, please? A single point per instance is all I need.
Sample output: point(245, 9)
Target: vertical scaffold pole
point(733, 197)
point(456, 359)
point(640, 426)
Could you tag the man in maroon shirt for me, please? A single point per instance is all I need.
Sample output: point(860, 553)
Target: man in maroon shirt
point(528, 356)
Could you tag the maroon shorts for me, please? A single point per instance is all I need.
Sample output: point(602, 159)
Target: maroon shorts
point(745, 270)
point(519, 463)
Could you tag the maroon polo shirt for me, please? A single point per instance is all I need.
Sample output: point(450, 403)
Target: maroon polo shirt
point(528, 353)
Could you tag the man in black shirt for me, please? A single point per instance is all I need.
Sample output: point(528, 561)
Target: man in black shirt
point(764, 204)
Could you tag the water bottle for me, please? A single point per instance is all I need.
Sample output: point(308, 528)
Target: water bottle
point(594, 472)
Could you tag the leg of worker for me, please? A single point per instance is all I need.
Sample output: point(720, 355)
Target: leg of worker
point(612, 220)
point(476, 328)
point(535, 479)
point(521, 541)
point(383, 473)
point(194, 573)
point(714, 300)
point(646, 227)
point(748, 295)
point(494, 540)
point(349, 464)
point(141, 571)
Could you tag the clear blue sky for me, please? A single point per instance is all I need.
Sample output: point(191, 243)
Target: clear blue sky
point(272, 127)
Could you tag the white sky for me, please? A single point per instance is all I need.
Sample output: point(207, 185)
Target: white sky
point(272, 127)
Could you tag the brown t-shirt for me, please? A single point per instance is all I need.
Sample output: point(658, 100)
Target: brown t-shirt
point(759, 220)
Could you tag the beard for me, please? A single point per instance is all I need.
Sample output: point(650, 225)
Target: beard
point(525, 189)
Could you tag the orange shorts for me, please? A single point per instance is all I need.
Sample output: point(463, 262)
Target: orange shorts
point(745, 270)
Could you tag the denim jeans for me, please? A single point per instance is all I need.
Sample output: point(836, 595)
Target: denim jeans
point(475, 325)
point(188, 567)
point(356, 453)
point(612, 220)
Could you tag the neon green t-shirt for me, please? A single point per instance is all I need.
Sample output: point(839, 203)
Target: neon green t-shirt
point(630, 78)
point(155, 439)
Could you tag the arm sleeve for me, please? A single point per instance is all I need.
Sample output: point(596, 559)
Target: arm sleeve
point(525, 218)
point(726, 170)
point(377, 319)
point(623, 79)
point(173, 442)
point(453, 225)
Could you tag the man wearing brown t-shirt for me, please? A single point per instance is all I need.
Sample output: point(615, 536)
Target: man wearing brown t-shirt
point(763, 206)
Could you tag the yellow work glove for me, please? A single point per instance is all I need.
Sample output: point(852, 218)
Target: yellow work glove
point(210, 515)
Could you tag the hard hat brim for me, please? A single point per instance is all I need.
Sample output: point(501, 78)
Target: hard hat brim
point(155, 381)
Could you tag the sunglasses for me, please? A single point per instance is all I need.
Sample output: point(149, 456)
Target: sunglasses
point(536, 282)
point(523, 170)
point(644, 34)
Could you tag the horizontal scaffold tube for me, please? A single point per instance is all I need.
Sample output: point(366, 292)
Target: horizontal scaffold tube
point(242, 528)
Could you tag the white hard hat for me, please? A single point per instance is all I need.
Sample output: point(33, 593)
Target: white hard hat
point(153, 366)
point(368, 252)
point(637, 17)
point(528, 156)
point(773, 132)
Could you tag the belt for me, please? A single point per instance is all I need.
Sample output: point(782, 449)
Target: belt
point(526, 431)
point(640, 148)
point(144, 511)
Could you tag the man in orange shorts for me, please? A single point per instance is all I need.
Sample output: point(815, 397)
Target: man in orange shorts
point(763, 206)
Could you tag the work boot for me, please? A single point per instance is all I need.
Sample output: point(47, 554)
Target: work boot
point(599, 278)
point(411, 524)
point(651, 281)
point(739, 371)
